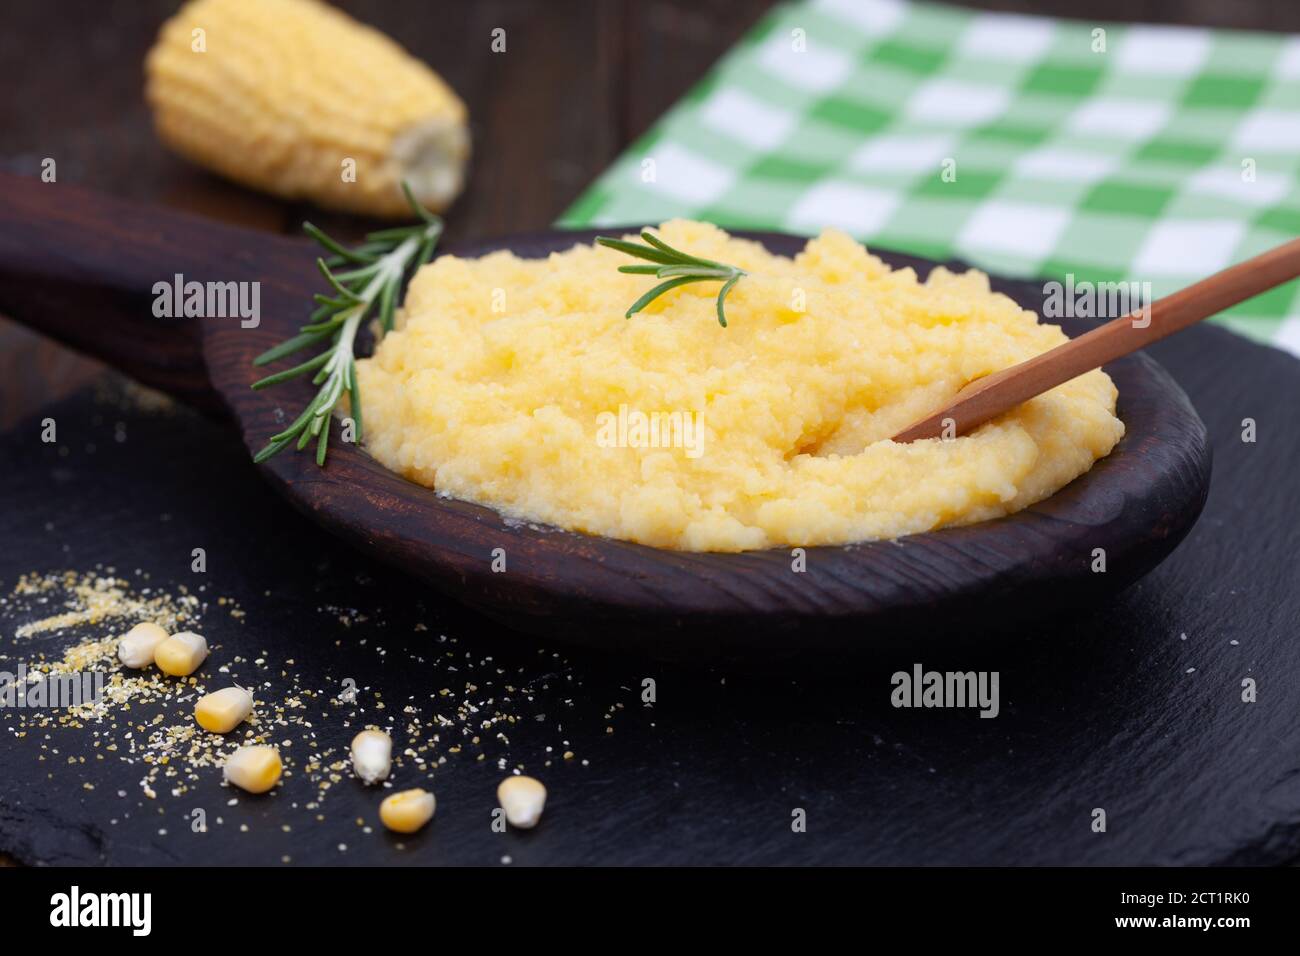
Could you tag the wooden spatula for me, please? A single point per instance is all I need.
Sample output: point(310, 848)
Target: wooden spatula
point(990, 396)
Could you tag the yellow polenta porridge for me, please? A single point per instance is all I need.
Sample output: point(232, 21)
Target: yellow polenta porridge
point(520, 385)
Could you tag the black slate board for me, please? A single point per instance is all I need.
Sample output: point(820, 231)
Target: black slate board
point(1098, 709)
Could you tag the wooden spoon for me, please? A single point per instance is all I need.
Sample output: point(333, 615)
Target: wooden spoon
point(990, 396)
point(81, 267)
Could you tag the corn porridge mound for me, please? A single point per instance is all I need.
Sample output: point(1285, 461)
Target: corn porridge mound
point(519, 384)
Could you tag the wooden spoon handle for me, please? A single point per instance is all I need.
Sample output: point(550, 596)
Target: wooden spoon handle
point(81, 267)
point(988, 397)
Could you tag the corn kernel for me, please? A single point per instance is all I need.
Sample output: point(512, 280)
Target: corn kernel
point(181, 654)
point(407, 811)
point(255, 769)
point(372, 755)
point(137, 646)
point(522, 798)
point(223, 711)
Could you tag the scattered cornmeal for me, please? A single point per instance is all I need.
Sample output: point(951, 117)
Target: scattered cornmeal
point(372, 755)
point(224, 710)
point(137, 646)
point(407, 811)
point(255, 768)
point(181, 654)
point(522, 798)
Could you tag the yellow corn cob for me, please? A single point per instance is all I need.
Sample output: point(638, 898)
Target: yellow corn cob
point(281, 94)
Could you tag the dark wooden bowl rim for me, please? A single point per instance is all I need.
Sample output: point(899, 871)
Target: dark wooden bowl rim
point(1135, 505)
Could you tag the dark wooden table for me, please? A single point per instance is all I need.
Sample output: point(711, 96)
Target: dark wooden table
point(581, 81)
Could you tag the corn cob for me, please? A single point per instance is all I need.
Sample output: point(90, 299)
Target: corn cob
point(291, 96)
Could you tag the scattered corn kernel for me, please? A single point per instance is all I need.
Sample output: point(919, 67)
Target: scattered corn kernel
point(224, 710)
point(259, 102)
point(407, 811)
point(522, 798)
point(372, 755)
point(181, 654)
point(137, 646)
point(256, 768)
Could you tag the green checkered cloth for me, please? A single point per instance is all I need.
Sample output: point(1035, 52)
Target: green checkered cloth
point(1137, 153)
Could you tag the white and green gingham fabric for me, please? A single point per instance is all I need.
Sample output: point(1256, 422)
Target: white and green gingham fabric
point(1111, 152)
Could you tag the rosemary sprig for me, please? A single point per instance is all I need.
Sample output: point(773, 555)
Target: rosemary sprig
point(372, 275)
point(675, 267)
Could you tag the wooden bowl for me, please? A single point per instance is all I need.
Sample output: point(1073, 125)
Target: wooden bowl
point(80, 266)
point(919, 591)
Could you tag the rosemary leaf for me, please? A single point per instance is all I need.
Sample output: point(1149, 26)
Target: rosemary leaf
point(420, 210)
point(329, 325)
point(632, 249)
point(381, 266)
point(351, 255)
point(426, 251)
point(657, 291)
point(354, 395)
point(722, 295)
point(386, 309)
point(347, 294)
point(387, 235)
point(702, 272)
point(289, 346)
point(677, 267)
point(272, 448)
point(663, 247)
point(321, 445)
point(303, 369)
point(365, 272)
point(370, 250)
